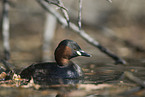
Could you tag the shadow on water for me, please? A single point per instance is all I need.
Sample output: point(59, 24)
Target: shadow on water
point(56, 81)
point(100, 80)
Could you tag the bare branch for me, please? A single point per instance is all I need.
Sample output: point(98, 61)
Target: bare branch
point(80, 14)
point(60, 4)
point(65, 13)
point(109, 1)
point(57, 3)
point(82, 33)
point(5, 29)
point(135, 79)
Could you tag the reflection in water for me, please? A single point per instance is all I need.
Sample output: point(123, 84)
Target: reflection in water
point(54, 81)
point(64, 87)
point(94, 74)
point(63, 94)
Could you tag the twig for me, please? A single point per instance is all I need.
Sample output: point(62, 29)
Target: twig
point(57, 3)
point(60, 4)
point(135, 79)
point(82, 33)
point(5, 29)
point(8, 66)
point(65, 12)
point(80, 14)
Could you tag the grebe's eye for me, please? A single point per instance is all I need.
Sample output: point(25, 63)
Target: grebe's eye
point(75, 49)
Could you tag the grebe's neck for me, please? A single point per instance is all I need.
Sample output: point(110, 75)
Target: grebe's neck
point(62, 61)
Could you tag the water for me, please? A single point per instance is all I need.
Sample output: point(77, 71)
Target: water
point(100, 80)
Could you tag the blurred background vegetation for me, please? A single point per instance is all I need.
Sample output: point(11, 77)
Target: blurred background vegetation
point(119, 26)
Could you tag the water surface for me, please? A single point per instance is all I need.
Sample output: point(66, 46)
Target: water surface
point(100, 80)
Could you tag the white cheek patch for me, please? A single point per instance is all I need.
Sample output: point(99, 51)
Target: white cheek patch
point(78, 53)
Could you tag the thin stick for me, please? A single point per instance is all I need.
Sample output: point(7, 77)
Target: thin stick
point(82, 33)
point(5, 29)
point(135, 79)
point(8, 66)
point(80, 14)
point(56, 3)
point(60, 4)
point(65, 12)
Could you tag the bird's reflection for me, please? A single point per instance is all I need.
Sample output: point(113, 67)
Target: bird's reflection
point(63, 86)
point(55, 81)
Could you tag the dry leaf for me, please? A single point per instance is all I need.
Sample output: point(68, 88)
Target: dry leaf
point(3, 75)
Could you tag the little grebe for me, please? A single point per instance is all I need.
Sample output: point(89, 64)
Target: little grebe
point(62, 68)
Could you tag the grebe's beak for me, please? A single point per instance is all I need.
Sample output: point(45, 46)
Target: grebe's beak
point(83, 53)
